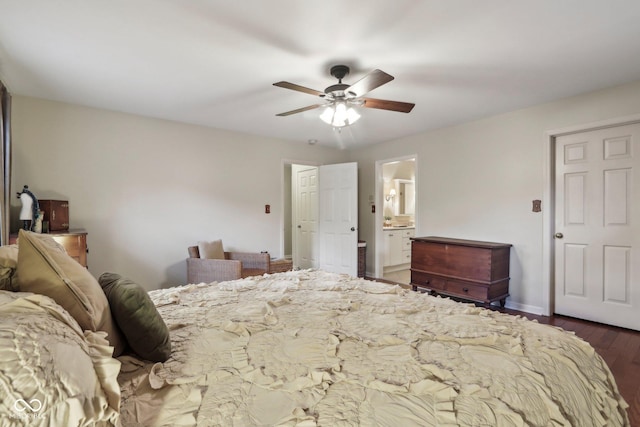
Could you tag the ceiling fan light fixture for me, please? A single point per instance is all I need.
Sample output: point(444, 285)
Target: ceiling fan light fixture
point(340, 98)
point(339, 115)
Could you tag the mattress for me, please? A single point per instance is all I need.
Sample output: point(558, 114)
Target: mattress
point(312, 348)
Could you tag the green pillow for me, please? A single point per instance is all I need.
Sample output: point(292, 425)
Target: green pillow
point(137, 316)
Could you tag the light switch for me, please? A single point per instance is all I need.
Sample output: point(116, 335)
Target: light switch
point(267, 209)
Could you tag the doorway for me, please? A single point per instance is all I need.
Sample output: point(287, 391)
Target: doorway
point(591, 235)
point(320, 216)
point(395, 222)
point(304, 216)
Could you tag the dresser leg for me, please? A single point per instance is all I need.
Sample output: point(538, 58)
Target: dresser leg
point(503, 301)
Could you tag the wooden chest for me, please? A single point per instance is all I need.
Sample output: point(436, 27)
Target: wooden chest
point(467, 269)
point(56, 213)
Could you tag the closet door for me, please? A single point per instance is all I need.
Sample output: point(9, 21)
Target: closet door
point(597, 229)
point(339, 218)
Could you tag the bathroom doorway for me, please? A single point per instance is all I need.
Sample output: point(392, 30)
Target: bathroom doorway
point(395, 223)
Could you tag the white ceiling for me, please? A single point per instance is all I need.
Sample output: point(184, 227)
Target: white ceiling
point(213, 62)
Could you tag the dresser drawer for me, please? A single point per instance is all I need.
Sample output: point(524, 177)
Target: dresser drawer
point(466, 290)
point(428, 281)
point(75, 244)
point(408, 233)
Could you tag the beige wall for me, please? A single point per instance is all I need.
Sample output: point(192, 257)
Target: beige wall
point(478, 180)
point(145, 189)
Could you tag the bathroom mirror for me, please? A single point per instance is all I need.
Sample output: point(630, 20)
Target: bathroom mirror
point(406, 197)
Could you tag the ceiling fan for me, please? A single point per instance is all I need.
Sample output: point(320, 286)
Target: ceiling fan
point(340, 98)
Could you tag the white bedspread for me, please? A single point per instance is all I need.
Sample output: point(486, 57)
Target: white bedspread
point(313, 348)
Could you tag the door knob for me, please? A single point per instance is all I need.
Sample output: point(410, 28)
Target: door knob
point(353, 229)
point(558, 235)
point(299, 226)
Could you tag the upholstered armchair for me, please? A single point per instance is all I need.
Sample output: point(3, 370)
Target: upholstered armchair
point(234, 265)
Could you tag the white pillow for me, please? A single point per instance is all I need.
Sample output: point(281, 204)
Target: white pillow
point(51, 372)
point(211, 250)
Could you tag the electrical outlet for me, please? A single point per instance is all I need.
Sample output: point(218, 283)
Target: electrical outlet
point(537, 206)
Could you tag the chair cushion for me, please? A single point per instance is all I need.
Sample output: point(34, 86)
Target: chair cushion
point(45, 269)
point(211, 250)
point(137, 317)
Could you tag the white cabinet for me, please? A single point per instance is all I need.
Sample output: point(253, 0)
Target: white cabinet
point(397, 246)
point(392, 247)
point(406, 245)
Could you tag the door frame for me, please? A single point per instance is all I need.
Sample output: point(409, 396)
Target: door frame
point(379, 203)
point(548, 200)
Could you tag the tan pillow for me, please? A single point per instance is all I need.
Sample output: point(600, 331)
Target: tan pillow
point(211, 250)
point(9, 261)
point(8, 264)
point(44, 269)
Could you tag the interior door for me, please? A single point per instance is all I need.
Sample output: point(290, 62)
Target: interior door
point(597, 240)
point(305, 216)
point(339, 218)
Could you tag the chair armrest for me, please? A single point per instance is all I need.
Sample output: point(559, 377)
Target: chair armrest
point(251, 260)
point(212, 270)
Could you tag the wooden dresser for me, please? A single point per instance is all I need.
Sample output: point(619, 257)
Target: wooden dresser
point(73, 241)
point(467, 269)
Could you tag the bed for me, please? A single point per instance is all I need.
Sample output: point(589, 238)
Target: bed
point(310, 348)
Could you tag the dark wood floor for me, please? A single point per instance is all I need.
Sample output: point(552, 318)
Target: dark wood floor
point(620, 348)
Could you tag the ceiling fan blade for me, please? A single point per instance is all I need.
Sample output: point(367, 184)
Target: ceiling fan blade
point(383, 104)
point(299, 88)
point(300, 110)
point(374, 79)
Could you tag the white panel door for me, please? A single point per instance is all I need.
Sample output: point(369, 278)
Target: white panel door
point(305, 216)
point(339, 218)
point(597, 240)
